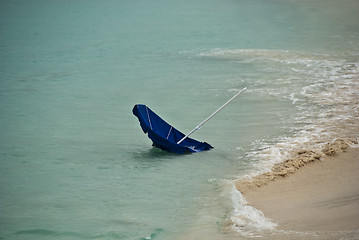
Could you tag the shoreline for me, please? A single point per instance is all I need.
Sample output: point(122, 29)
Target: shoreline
point(315, 191)
point(297, 160)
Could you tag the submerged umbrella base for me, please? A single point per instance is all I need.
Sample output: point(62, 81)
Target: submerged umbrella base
point(163, 135)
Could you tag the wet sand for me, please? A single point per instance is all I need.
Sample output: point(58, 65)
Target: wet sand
point(322, 196)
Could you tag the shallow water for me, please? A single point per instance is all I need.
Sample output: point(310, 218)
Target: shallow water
point(74, 161)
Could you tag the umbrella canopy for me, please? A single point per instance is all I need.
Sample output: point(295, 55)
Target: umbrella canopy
point(163, 135)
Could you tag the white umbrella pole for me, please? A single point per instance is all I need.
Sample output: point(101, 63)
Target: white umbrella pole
point(204, 121)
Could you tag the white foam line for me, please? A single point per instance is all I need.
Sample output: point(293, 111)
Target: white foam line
point(246, 219)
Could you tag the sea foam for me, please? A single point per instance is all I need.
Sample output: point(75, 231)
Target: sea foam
point(246, 219)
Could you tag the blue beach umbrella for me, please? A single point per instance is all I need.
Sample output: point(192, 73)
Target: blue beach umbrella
point(168, 138)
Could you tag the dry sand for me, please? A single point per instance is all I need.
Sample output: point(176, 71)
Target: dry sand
point(322, 196)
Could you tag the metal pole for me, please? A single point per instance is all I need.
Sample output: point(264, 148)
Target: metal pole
point(210, 116)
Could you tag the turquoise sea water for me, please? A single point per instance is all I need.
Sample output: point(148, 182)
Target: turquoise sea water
point(74, 163)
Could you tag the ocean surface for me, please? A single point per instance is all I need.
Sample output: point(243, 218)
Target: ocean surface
point(74, 162)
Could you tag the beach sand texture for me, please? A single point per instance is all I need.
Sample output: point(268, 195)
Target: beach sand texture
point(321, 198)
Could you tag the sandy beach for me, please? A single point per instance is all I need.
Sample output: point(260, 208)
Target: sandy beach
point(321, 197)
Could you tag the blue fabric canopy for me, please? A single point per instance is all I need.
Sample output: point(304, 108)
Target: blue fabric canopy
point(163, 135)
